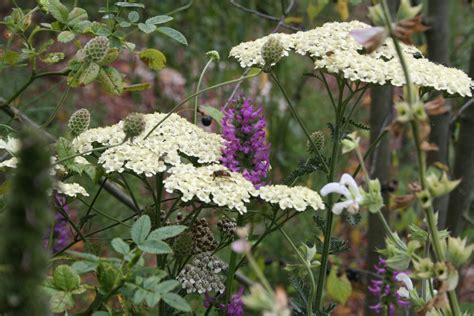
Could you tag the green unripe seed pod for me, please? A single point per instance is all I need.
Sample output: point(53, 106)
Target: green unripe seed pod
point(79, 121)
point(96, 49)
point(134, 125)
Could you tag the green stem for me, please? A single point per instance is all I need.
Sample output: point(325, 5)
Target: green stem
point(298, 119)
point(196, 100)
point(312, 293)
point(87, 152)
point(432, 226)
point(232, 266)
point(177, 106)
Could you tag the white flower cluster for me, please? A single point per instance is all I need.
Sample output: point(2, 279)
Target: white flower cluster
point(149, 156)
point(297, 197)
point(333, 49)
point(211, 184)
point(70, 189)
point(217, 185)
point(12, 145)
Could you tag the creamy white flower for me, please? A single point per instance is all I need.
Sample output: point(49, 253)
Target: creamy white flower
point(173, 139)
point(348, 188)
point(213, 184)
point(404, 291)
point(9, 163)
point(11, 145)
point(70, 189)
point(297, 197)
point(334, 50)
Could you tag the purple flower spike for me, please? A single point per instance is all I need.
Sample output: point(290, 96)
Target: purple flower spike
point(246, 150)
point(61, 233)
point(236, 305)
point(384, 288)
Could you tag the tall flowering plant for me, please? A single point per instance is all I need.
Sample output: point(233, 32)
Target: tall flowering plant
point(246, 150)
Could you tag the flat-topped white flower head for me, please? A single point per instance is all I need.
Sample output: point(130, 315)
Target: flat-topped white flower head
point(212, 184)
point(347, 187)
point(172, 138)
point(298, 198)
point(70, 189)
point(335, 50)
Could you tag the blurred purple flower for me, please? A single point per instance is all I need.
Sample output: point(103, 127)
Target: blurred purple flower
point(61, 233)
point(384, 288)
point(236, 305)
point(246, 150)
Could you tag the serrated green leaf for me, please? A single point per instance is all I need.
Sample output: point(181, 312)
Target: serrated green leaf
point(129, 5)
point(139, 296)
point(146, 28)
point(152, 299)
point(65, 36)
point(338, 288)
point(111, 80)
point(174, 34)
point(108, 276)
point(120, 246)
point(154, 58)
point(213, 112)
point(58, 10)
point(11, 57)
point(176, 301)
point(167, 232)
point(155, 246)
point(89, 72)
point(140, 229)
point(59, 301)
point(76, 15)
point(133, 16)
point(110, 57)
point(66, 279)
point(159, 19)
point(166, 286)
point(84, 266)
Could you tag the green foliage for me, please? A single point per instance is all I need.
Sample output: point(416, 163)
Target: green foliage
point(154, 59)
point(126, 275)
point(339, 288)
point(24, 225)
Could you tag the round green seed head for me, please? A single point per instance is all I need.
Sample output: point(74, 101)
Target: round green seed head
point(134, 125)
point(183, 245)
point(79, 121)
point(96, 49)
point(318, 140)
point(271, 51)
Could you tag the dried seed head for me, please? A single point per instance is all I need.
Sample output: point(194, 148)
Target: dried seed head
point(79, 121)
point(134, 125)
point(96, 49)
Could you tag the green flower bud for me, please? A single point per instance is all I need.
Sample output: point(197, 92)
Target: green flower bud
point(96, 49)
point(318, 140)
point(403, 112)
point(376, 15)
point(79, 121)
point(424, 268)
point(407, 11)
point(214, 55)
point(183, 245)
point(457, 251)
point(440, 185)
point(419, 111)
point(425, 198)
point(373, 199)
point(272, 52)
point(350, 142)
point(134, 125)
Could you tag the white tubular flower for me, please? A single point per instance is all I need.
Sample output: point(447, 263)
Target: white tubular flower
point(349, 189)
point(404, 291)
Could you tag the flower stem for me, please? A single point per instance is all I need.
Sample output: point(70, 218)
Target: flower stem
point(312, 293)
point(231, 269)
point(432, 226)
point(180, 104)
point(196, 100)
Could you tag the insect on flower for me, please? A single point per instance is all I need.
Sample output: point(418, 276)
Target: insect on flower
point(220, 174)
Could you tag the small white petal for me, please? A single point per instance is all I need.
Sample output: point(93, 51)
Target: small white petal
point(340, 206)
point(335, 187)
point(403, 292)
point(405, 279)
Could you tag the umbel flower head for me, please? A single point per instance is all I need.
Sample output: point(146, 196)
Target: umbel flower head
point(334, 50)
point(246, 150)
point(201, 275)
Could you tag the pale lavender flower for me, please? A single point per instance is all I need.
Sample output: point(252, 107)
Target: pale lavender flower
point(246, 150)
